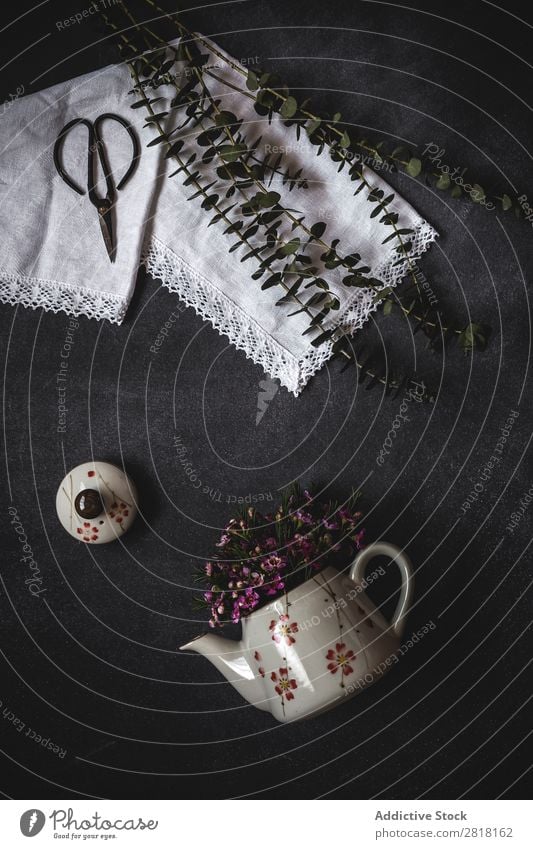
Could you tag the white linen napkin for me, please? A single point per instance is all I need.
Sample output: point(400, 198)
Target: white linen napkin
point(53, 254)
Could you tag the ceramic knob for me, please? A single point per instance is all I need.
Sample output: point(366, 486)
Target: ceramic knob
point(96, 502)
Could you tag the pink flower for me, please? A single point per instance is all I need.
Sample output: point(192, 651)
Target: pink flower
point(284, 684)
point(340, 659)
point(275, 586)
point(266, 560)
point(359, 539)
point(330, 524)
point(307, 548)
point(273, 563)
point(224, 539)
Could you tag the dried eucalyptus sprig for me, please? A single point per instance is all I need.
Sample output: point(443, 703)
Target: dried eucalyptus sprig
point(400, 157)
point(271, 96)
point(234, 153)
point(268, 100)
point(240, 168)
point(263, 211)
point(156, 64)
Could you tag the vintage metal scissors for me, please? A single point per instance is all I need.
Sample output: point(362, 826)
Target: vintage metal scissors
point(104, 205)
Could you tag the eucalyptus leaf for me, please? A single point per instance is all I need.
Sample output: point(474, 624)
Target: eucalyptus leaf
point(273, 280)
point(268, 199)
point(251, 81)
point(312, 126)
point(318, 229)
point(290, 247)
point(323, 337)
point(225, 119)
point(414, 167)
point(345, 140)
point(158, 140)
point(289, 107)
point(232, 152)
point(443, 182)
point(478, 193)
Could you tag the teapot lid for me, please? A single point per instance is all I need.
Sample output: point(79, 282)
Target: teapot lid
point(96, 502)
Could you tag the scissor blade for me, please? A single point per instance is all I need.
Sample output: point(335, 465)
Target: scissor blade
point(107, 233)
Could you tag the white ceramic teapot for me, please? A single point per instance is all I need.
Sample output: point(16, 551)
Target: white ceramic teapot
point(320, 643)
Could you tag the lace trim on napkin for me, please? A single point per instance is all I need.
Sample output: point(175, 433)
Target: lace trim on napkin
point(51, 295)
point(246, 334)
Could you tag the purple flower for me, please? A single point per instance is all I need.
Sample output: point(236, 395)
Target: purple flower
point(359, 539)
point(224, 539)
point(273, 562)
point(275, 585)
point(306, 547)
point(304, 517)
point(330, 524)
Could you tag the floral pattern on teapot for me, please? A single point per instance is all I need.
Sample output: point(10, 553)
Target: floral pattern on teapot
point(283, 630)
point(284, 685)
point(341, 658)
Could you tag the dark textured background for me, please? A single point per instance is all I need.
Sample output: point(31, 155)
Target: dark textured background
point(95, 667)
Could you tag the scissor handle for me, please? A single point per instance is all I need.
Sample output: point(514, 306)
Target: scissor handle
point(134, 141)
point(95, 144)
point(59, 146)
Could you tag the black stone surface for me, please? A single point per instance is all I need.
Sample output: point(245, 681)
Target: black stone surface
point(92, 663)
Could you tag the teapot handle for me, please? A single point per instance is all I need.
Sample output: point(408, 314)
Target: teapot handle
point(357, 574)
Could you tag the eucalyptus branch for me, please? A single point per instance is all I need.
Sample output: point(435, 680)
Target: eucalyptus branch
point(290, 107)
point(286, 248)
point(225, 122)
point(474, 335)
point(367, 370)
point(288, 110)
point(192, 179)
point(332, 254)
point(375, 195)
point(401, 156)
point(202, 107)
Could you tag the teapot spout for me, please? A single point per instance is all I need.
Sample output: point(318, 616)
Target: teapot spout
point(231, 659)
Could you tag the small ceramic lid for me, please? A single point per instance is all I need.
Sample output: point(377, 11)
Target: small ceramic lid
point(96, 502)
